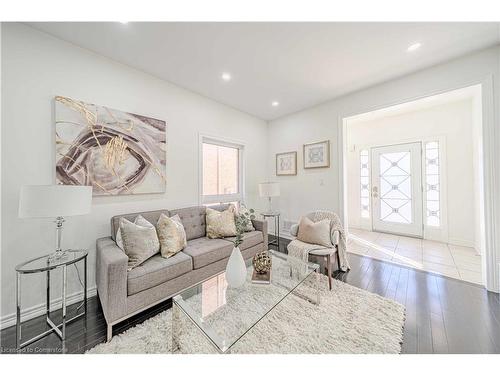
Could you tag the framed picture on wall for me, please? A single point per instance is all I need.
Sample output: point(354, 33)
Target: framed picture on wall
point(116, 152)
point(317, 155)
point(286, 164)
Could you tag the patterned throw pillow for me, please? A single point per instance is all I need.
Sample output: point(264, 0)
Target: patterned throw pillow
point(139, 220)
point(242, 210)
point(315, 233)
point(139, 243)
point(171, 234)
point(220, 224)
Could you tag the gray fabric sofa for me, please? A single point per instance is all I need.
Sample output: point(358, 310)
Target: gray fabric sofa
point(125, 293)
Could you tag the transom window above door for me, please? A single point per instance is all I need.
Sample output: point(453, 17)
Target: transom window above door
point(222, 171)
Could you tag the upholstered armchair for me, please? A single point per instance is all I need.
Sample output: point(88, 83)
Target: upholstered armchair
point(322, 255)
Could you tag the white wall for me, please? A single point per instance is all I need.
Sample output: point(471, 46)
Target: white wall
point(35, 68)
point(322, 188)
point(451, 124)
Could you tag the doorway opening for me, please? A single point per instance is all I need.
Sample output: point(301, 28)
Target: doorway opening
point(414, 191)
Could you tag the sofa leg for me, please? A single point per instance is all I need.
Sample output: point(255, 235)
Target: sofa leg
point(109, 333)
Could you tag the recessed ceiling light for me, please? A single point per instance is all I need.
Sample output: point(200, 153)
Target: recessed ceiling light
point(226, 77)
point(414, 47)
point(275, 104)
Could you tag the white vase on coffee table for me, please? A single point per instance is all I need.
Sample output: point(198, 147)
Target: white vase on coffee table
point(236, 269)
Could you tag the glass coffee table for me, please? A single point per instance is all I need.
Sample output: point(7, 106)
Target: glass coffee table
point(222, 315)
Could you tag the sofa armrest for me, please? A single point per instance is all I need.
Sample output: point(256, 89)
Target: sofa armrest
point(111, 278)
point(261, 225)
point(294, 230)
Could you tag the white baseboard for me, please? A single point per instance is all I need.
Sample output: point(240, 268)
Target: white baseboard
point(38, 310)
point(284, 233)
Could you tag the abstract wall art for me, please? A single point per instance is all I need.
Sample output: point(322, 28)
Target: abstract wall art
point(317, 155)
point(286, 164)
point(116, 152)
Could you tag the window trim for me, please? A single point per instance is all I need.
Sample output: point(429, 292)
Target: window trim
point(221, 198)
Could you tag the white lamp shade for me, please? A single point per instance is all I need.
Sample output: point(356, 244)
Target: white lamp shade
point(54, 200)
point(269, 189)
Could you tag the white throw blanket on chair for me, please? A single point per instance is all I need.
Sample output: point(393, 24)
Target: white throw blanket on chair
point(300, 250)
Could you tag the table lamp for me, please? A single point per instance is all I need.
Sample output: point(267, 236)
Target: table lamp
point(269, 190)
point(54, 201)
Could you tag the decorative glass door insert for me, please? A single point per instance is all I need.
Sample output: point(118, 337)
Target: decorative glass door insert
point(397, 189)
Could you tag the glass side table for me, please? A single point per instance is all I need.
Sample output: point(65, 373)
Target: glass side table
point(276, 216)
point(47, 264)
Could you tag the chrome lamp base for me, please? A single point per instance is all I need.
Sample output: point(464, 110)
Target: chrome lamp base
point(59, 253)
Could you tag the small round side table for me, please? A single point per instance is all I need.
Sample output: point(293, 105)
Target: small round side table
point(46, 264)
point(276, 216)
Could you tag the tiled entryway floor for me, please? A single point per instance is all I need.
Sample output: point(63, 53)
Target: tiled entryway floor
point(458, 262)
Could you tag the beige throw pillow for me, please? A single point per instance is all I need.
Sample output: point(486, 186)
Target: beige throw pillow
point(139, 243)
point(315, 233)
point(220, 224)
point(171, 234)
point(139, 220)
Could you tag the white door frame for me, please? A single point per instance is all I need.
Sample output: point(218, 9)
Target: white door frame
point(416, 227)
point(491, 255)
point(430, 233)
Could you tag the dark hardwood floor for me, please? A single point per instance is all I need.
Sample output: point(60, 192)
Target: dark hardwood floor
point(444, 315)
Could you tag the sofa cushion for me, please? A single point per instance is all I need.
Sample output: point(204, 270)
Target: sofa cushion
point(171, 235)
point(139, 243)
point(249, 239)
point(193, 219)
point(139, 220)
point(205, 251)
point(244, 210)
point(157, 270)
point(151, 216)
point(220, 224)
point(317, 233)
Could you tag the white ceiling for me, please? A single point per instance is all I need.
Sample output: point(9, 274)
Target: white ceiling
point(297, 64)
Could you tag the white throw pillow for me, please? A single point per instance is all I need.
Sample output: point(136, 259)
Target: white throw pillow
point(139, 243)
point(315, 233)
point(220, 224)
point(171, 234)
point(139, 220)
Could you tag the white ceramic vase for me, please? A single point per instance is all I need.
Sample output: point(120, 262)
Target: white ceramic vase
point(236, 270)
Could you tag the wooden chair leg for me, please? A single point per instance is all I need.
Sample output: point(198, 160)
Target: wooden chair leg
point(329, 270)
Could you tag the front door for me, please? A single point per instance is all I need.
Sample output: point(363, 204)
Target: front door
point(397, 189)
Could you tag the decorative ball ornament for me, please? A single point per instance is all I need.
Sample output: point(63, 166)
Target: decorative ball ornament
point(262, 262)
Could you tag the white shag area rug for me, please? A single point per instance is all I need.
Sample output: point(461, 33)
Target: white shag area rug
point(348, 320)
